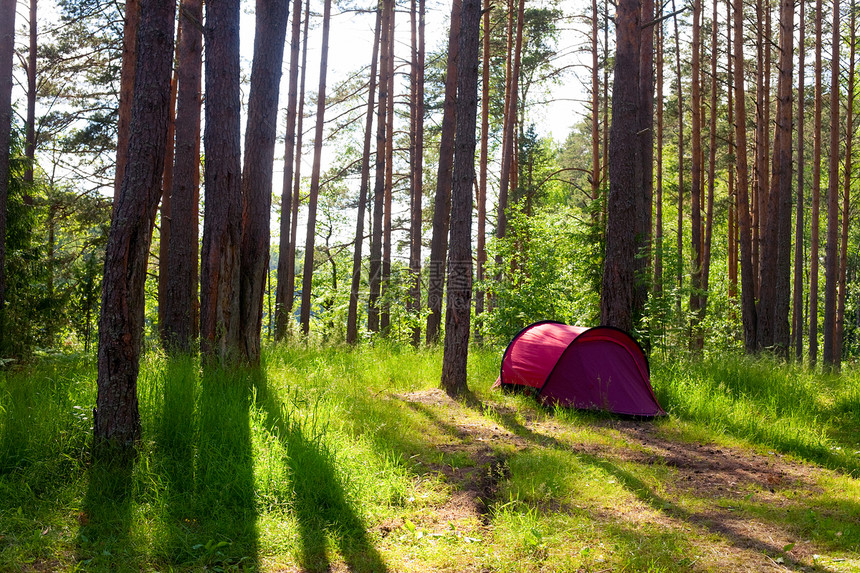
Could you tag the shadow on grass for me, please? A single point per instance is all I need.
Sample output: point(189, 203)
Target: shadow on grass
point(321, 506)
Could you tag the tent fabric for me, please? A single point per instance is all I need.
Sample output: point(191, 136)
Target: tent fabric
point(601, 368)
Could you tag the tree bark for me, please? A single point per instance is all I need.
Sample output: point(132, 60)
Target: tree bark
point(748, 309)
point(7, 50)
point(282, 295)
point(385, 311)
point(697, 337)
point(679, 267)
point(308, 269)
point(166, 188)
point(116, 417)
point(645, 136)
point(181, 292)
point(352, 313)
point(830, 249)
point(797, 295)
point(417, 162)
point(458, 308)
point(616, 301)
point(222, 221)
point(814, 215)
point(126, 89)
point(271, 30)
point(30, 124)
point(442, 202)
point(658, 197)
point(481, 255)
point(774, 291)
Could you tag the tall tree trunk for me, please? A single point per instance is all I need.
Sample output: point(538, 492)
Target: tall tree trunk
point(679, 267)
point(308, 269)
point(116, 418)
point(712, 168)
point(442, 201)
point(7, 50)
point(733, 199)
point(417, 162)
point(271, 30)
point(458, 308)
point(385, 314)
point(814, 215)
point(697, 337)
point(166, 188)
point(181, 296)
point(616, 304)
point(645, 136)
point(774, 292)
point(126, 89)
point(222, 221)
point(846, 190)
point(352, 313)
point(748, 308)
point(797, 295)
point(595, 112)
point(481, 255)
point(297, 179)
point(382, 128)
point(658, 196)
point(831, 262)
point(30, 124)
point(282, 316)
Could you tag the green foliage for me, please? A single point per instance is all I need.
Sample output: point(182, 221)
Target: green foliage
point(545, 266)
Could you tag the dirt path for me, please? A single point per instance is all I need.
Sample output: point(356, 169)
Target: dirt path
point(713, 492)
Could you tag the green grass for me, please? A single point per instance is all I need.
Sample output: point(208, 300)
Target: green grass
point(348, 458)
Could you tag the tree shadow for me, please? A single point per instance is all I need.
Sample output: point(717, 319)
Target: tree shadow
point(321, 506)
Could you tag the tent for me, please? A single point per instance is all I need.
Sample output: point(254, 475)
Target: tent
point(600, 368)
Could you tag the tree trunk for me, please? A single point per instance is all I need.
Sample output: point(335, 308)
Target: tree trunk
point(297, 179)
point(814, 215)
point(352, 313)
point(616, 303)
point(658, 198)
point(745, 239)
point(181, 295)
point(116, 418)
point(382, 128)
point(417, 162)
point(679, 267)
point(846, 190)
point(458, 308)
point(282, 295)
point(222, 221)
point(442, 202)
point(30, 136)
point(126, 89)
point(733, 199)
point(481, 255)
point(166, 189)
point(774, 291)
point(712, 167)
point(385, 314)
point(830, 249)
point(595, 112)
point(797, 295)
point(7, 50)
point(645, 135)
point(308, 269)
point(271, 30)
point(697, 337)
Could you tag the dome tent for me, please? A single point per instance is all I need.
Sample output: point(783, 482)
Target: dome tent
point(601, 368)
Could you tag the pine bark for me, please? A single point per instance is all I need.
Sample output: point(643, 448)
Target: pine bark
point(7, 50)
point(271, 30)
point(481, 255)
point(442, 201)
point(697, 337)
point(30, 123)
point(388, 196)
point(417, 161)
point(116, 417)
point(616, 303)
point(658, 195)
point(797, 294)
point(830, 248)
point(181, 290)
point(774, 291)
point(126, 89)
point(814, 215)
point(166, 189)
point(679, 267)
point(222, 221)
point(645, 136)
point(282, 295)
point(748, 308)
point(458, 308)
point(352, 313)
point(308, 269)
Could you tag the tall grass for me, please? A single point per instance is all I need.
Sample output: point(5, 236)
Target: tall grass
point(783, 406)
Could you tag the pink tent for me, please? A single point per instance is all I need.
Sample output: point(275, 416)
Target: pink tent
point(600, 368)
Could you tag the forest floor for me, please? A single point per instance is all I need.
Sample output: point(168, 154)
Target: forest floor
point(353, 460)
